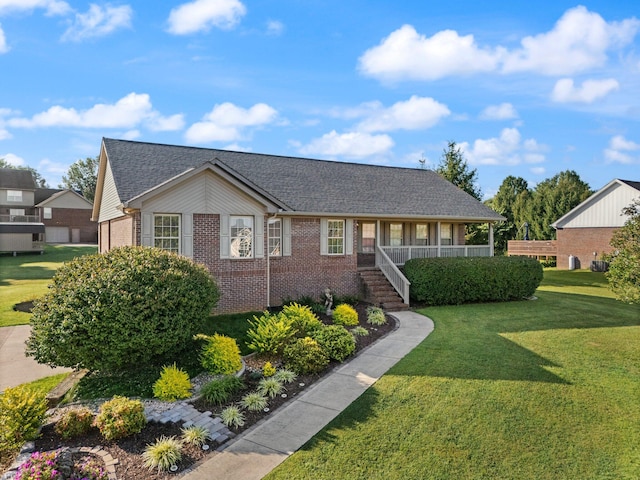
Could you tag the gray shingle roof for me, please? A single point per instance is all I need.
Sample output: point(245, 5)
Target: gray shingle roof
point(635, 185)
point(14, 178)
point(304, 185)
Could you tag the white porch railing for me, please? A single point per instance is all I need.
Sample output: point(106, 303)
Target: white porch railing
point(19, 218)
point(399, 255)
point(393, 274)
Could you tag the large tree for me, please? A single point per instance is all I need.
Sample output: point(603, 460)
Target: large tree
point(453, 166)
point(82, 176)
point(624, 270)
point(39, 179)
point(552, 199)
point(508, 202)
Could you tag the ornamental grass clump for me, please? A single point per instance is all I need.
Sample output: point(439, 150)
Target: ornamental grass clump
point(163, 453)
point(173, 384)
point(195, 435)
point(232, 417)
point(359, 331)
point(74, 422)
point(220, 354)
point(120, 417)
point(345, 314)
point(270, 387)
point(219, 391)
point(285, 376)
point(376, 316)
point(254, 401)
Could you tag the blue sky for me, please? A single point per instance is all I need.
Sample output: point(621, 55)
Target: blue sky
point(525, 88)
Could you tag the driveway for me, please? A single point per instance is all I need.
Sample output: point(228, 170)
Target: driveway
point(15, 366)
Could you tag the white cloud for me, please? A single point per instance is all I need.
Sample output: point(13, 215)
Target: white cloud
point(591, 90)
point(504, 111)
point(98, 22)
point(128, 112)
point(52, 7)
point(225, 123)
point(622, 150)
point(201, 15)
point(407, 55)
point(578, 41)
point(131, 134)
point(275, 27)
point(538, 170)
point(352, 145)
point(4, 48)
point(507, 149)
point(158, 123)
point(13, 159)
point(56, 168)
point(414, 114)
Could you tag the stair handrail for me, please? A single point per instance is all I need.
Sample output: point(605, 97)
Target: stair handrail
point(391, 271)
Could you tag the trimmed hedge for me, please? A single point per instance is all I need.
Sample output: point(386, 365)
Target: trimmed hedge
point(453, 281)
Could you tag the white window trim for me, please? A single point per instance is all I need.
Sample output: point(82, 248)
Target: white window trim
point(270, 223)
point(347, 243)
point(153, 230)
point(14, 196)
point(47, 213)
point(238, 238)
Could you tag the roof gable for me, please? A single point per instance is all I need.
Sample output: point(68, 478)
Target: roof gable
point(64, 199)
point(301, 185)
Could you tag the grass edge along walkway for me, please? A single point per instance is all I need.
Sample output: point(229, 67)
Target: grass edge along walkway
point(546, 389)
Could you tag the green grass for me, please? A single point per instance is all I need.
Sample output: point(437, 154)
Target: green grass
point(544, 389)
point(25, 277)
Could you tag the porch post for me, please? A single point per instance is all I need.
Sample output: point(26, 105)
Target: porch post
point(438, 236)
point(490, 239)
point(377, 242)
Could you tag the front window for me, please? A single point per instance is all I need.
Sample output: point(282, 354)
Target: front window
point(47, 213)
point(14, 195)
point(275, 238)
point(335, 237)
point(241, 237)
point(166, 232)
point(422, 234)
point(395, 232)
point(446, 234)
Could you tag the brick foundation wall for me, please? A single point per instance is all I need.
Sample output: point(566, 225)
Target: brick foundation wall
point(74, 218)
point(306, 272)
point(581, 243)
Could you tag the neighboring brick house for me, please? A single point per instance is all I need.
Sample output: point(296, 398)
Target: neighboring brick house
point(270, 227)
point(66, 216)
point(585, 232)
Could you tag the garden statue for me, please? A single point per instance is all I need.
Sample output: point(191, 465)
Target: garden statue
point(328, 301)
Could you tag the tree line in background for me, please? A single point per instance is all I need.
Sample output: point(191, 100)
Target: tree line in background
point(527, 210)
point(82, 176)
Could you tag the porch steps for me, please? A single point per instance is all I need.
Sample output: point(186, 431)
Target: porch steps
point(379, 291)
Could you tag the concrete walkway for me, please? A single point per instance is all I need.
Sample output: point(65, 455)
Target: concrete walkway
point(15, 367)
point(254, 453)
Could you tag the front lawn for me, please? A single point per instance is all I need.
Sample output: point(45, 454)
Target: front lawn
point(544, 389)
point(25, 277)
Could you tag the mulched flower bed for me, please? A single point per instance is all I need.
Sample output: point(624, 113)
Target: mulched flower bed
point(128, 450)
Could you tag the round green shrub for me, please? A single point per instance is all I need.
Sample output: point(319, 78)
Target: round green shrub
point(120, 417)
point(173, 384)
point(345, 314)
point(305, 356)
point(117, 311)
point(302, 318)
point(220, 354)
point(74, 422)
point(336, 341)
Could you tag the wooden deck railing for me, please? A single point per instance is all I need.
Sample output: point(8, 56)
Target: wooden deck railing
point(532, 248)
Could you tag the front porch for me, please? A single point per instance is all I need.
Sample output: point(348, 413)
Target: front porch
point(389, 244)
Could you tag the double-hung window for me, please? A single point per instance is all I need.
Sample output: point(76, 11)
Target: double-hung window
point(335, 237)
point(446, 234)
point(47, 213)
point(14, 195)
point(166, 232)
point(275, 237)
point(422, 234)
point(396, 234)
point(241, 237)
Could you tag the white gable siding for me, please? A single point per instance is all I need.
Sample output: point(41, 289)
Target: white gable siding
point(603, 209)
point(110, 198)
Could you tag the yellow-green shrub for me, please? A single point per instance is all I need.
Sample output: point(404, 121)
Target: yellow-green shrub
point(268, 370)
point(336, 341)
point(120, 417)
point(74, 423)
point(173, 384)
point(305, 356)
point(270, 333)
point(345, 315)
point(22, 411)
point(302, 318)
point(220, 354)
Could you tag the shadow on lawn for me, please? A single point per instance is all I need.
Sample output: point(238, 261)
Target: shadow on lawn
point(468, 340)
